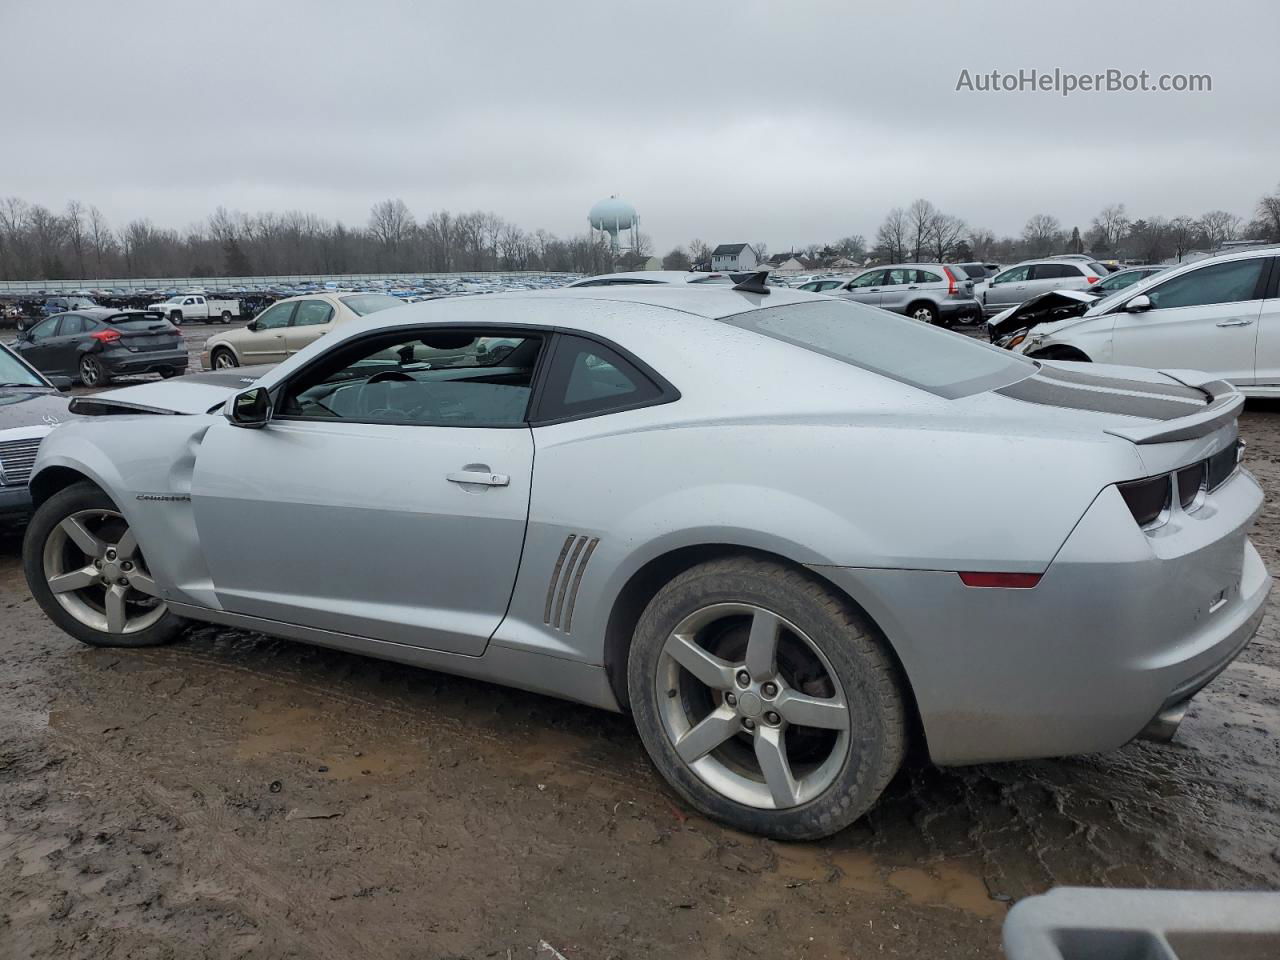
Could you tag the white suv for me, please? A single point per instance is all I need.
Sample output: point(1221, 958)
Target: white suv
point(1220, 315)
point(1021, 282)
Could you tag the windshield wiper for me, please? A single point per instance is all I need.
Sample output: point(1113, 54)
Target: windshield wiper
point(21, 384)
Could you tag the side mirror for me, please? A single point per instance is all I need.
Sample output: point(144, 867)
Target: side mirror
point(251, 325)
point(1139, 304)
point(61, 384)
point(251, 409)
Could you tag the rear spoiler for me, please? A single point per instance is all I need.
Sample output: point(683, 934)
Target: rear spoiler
point(1224, 406)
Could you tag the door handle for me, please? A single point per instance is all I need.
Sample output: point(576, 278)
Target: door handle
point(913, 288)
point(1234, 323)
point(479, 476)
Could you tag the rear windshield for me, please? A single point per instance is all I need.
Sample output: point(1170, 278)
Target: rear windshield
point(366, 303)
point(943, 363)
point(1098, 269)
point(976, 271)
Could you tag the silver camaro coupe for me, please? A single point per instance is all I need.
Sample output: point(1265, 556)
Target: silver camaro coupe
point(732, 513)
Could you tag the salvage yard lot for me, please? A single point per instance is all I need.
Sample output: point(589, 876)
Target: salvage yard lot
point(239, 796)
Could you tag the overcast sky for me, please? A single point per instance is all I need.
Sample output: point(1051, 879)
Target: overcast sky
point(784, 122)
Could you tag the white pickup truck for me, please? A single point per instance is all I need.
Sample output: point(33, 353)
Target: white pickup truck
point(192, 306)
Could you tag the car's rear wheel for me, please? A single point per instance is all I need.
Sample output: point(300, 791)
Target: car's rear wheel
point(226, 316)
point(224, 359)
point(85, 569)
point(924, 312)
point(176, 318)
point(92, 372)
point(169, 372)
point(765, 699)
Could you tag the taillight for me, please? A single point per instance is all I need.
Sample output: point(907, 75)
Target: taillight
point(106, 336)
point(1147, 499)
point(1190, 480)
point(1092, 280)
point(951, 281)
point(1016, 581)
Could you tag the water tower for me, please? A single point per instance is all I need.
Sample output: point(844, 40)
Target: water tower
point(614, 216)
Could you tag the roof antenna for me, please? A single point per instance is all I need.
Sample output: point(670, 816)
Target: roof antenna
point(751, 282)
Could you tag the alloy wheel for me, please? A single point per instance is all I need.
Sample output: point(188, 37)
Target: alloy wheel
point(96, 573)
point(222, 360)
point(90, 372)
point(752, 706)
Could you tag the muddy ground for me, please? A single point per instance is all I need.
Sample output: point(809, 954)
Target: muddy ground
point(238, 796)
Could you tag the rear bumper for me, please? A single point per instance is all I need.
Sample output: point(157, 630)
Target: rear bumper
point(149, 362)
point(1121, 626)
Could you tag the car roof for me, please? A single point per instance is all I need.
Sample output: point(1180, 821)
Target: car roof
point(658, 276)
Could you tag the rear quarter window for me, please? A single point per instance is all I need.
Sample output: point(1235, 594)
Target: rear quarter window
point(945, 364)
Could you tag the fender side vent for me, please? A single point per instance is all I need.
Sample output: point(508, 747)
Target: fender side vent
point(566, 578)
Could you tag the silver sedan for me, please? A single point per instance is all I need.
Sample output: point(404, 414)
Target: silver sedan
point(730, 512)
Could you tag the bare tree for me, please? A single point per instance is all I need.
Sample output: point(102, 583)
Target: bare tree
point(891, 237)
point(947, 233)
point(1042, 234)
point(982, 243)
point(1219, 226)
point(699, 251)
point(1109, 227)
point(1182, 233)
point(922, 219)
point(390, 223)
point(1267, 224)
point(74, 219)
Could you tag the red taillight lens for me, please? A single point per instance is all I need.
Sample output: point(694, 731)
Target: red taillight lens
point(1092, 280)
point(1016, 581)
point(951, 281)
point(106, 336)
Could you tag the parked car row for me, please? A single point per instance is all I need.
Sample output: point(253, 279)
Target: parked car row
point(94, 344)
point(1220, 315)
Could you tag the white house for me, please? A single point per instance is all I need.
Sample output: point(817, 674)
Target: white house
point(734, 256)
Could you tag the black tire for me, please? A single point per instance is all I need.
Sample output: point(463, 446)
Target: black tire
point(92, 372)
point(923, 311)
point(176, 318)
point(226, 316)
point(169, 372)
point(227, 357)
point(850, 644)
point(51, 513)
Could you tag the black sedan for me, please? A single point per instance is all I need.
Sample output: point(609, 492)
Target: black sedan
point(94, 345)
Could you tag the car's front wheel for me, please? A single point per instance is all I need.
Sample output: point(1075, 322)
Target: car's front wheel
point(87, 572)
point(224, 359)
point(765, 699)
point(92, 372)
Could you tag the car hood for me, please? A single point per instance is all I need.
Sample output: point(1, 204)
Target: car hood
point(1048, 311)
point(31, 406)
point(194, 393)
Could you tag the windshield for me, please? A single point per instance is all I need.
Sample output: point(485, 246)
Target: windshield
point(14, 372)
point(947, 364)
point(366, 303)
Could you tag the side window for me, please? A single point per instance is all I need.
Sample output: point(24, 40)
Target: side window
point(72, 324)
point(587, 379)
point(274, 317)
point(444, 378)
point(872, 279)
point(899, 276)
point(45, 328)
point(1015, 275)
point(312, 313)
point(1220, 283)
point(924, 276)
point(1053, 271)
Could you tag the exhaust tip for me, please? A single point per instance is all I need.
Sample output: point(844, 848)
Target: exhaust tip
point(1165, 724)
